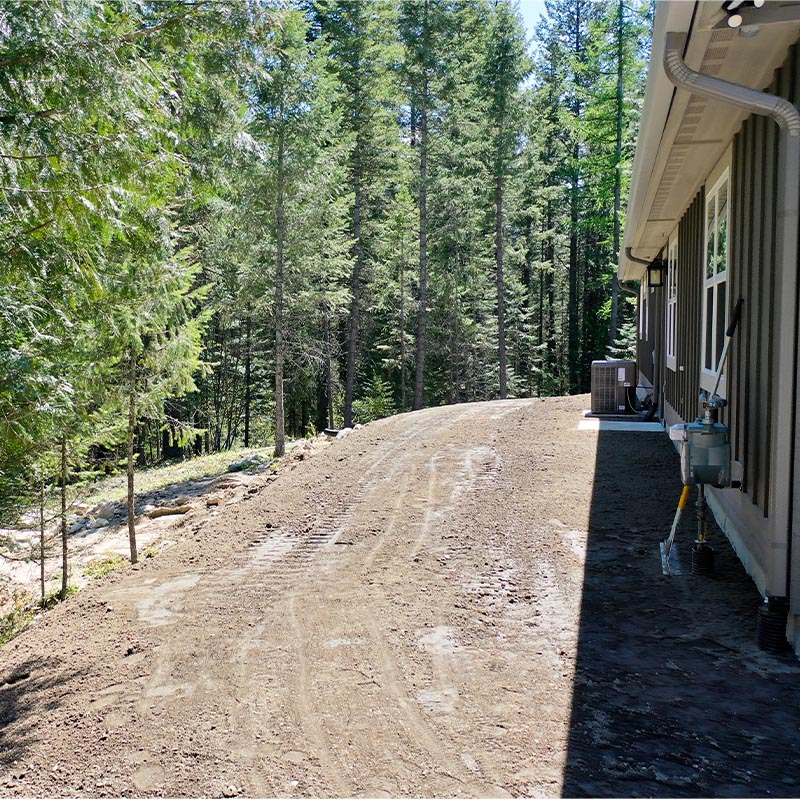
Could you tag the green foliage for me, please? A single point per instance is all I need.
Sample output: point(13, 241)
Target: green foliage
point(19, 617)
point(101, 567)
point(376, 402)
point(144, 149)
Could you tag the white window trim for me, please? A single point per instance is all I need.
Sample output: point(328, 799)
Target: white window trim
point(671, 316)
point(708, 376)
point(644, 309)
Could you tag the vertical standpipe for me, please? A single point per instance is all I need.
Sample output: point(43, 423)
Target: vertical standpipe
point(788, 119)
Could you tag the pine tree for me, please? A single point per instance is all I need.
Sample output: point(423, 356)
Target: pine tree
point(363, 46)
point(504, 69)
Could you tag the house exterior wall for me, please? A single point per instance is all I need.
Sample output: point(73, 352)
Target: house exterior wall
point(649, 347)
point(681, 386)
point(754, 410)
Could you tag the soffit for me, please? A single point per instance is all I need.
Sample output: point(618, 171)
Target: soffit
point(693, 132)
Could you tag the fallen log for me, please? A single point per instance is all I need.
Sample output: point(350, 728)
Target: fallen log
point(164, 512)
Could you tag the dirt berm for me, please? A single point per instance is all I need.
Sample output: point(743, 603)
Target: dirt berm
point(464, 601)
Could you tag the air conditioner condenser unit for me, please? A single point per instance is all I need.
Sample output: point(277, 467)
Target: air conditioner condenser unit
point(613, 387)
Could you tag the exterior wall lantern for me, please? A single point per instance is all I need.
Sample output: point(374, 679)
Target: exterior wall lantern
point(655, 274)
point(733, 9)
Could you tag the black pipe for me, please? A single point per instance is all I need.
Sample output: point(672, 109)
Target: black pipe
point(737, 313)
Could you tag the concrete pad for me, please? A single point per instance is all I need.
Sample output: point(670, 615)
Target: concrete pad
point(618, 425)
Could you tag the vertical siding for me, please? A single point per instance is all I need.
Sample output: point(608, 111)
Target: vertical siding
point(681, 387)
point(736, 387)
point(752, 277)
point(753, 409)
point(766, 321)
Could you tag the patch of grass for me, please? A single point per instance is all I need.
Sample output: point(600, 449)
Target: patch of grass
point(150, 552)
point(18, 618)
point(53, 597)
point(101, 567)
point(114, 488)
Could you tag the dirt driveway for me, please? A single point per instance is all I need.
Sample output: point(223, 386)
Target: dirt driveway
point(466, 601)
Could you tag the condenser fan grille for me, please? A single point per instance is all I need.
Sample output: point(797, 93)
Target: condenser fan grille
point(611, 384)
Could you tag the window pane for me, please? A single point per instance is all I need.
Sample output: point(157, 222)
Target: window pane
point(722, 229)
point(710, 238)
point(709, 327)
point(721, 308)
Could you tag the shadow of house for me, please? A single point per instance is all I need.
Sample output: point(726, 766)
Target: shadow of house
point(672, 696)
point(714, 199)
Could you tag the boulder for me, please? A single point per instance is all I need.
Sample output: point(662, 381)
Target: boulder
point(344, 432)
point(106, 511)
point(100, 522)
point(76, 526)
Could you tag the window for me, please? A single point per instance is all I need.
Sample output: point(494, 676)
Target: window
point(715, 279)
point(672, 301)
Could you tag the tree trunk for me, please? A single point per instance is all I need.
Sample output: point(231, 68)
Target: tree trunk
point(247, 374)
point(131, 480)
point(280, 226)
point(573, 329)
point(355, 302)
point(501, 300)
point(41, 536)
point(614, 326)
point(64, 558)
point(326, 322)
point(422, 319)
point(402, 325)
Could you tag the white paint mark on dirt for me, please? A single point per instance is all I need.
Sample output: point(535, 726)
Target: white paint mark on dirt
point(437, 701)
point(440, 641)
point(577, 541)
point(158, 603)
point(470, 762)
point(332, 644)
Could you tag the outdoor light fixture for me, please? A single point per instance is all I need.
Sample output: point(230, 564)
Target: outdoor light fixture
point(733, 7)
point(655, 274)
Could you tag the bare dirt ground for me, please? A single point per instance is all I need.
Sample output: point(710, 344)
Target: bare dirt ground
point(464, 601)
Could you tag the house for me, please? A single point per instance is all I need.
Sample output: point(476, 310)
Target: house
point(714, 199)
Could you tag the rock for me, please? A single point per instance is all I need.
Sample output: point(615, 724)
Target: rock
point(76, 526)
point(212, 501)
point(106, 510)
point(100, 522)
point(230, 791)
point(148, 508)
point(344, 432)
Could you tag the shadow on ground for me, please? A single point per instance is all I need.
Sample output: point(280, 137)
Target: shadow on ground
point(21, 692)
point(672, 695)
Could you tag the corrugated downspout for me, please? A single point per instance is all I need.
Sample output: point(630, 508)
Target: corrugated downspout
point(785, 400)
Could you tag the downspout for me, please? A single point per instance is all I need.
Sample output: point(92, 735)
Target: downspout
point(658, 377)
point(631, 257)
point(788, 118)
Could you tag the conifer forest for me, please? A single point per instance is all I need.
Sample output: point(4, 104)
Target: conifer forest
point(235, 222)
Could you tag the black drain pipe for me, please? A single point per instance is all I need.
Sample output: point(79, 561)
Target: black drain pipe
point(788, 119)
point(658, 382)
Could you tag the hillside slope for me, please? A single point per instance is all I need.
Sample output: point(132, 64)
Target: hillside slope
point(463, 601)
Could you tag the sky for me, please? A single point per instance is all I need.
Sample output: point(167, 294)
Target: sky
point(531, 11)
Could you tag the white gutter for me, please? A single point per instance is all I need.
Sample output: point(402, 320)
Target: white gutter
point(788, 119)
point(655, 111)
